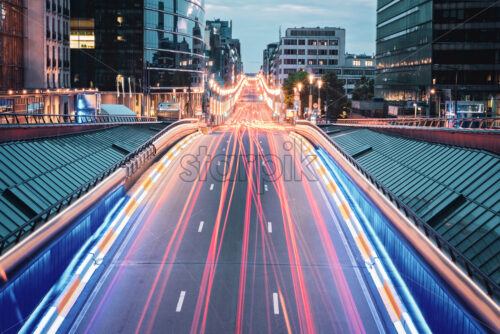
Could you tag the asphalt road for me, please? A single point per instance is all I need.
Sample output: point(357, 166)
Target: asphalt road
point(237, 237)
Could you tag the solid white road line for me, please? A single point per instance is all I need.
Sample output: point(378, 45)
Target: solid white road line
point(181, 300)
point(211, 187)
point(275, 303)
point(201, 226)
point(269, 227)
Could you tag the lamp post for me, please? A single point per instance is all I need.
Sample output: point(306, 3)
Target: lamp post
point(320, 85)
point(300, 86)
point(311, 81)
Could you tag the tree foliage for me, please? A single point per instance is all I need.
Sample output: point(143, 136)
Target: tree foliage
point(364, 89)
point(332, 92)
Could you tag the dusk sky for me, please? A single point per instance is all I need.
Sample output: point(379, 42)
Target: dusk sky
point(256, 23)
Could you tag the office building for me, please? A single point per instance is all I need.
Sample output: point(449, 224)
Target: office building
point(355, 68)
point(268, 60)
point(316, 50)
point(147, 52)
point(46, 44)
point(450, 48)
point(223, 51)
point(11, 44)
point(82, 44)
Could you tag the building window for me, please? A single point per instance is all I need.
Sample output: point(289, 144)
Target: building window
point(356, 62)
point(322, 52)
point(302, 42)
point(290, 42)
point(290, 62)
point(311, 62)
point(334, 42)
point(322, 43)
point(333, 52)
point(312, 42)
point(290, 51)
point(333, 62)
point(301, 51)
point(301, 61)
point(312, 52)
point(369, 63)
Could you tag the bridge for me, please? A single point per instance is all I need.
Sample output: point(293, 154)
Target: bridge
point(250, 224)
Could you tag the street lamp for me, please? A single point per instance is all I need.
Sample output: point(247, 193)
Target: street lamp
point(311, 81)
point(320, 85)
point(300, 86)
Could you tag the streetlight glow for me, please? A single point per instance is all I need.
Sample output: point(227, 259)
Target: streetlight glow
point(311, 78)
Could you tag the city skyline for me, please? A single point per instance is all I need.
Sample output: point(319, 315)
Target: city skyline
point(356, 16)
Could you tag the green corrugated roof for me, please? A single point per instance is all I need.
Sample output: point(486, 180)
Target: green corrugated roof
point(456, 190)
point(36, 174)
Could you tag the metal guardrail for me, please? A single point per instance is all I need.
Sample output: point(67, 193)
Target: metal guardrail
point(490, 123)
point(52, 119)
point(471, 269)
point(147, 148)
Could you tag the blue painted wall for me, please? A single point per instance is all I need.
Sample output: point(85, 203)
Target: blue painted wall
point(440, 308)
point(22, 294)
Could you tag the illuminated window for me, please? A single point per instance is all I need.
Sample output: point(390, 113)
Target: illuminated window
point(369, 63)
point(356, 62)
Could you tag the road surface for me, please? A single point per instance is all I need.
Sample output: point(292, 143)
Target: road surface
point(238, 236)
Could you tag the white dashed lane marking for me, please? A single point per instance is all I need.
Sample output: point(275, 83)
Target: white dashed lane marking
point(275, 304)
point(181, 301)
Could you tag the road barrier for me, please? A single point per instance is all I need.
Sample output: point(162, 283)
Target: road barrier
point(16, 119)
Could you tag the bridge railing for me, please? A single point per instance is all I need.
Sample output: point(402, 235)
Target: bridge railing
point(52, 119)
point(491, 123)
point(477, 275)
point(146, 151)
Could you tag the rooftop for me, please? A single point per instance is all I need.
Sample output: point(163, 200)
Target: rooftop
point(36, 174)
point(455, 190)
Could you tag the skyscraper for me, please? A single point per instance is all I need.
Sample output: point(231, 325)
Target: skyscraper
point(447, 47)
point(156, 44)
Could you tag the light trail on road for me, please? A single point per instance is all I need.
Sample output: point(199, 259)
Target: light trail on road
point(238, 235)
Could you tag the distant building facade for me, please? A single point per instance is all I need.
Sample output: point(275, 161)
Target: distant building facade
point(316, 50)
point(446, 46)
point(11, 45)
point(355, 68)
point(46, 44)
point(223, 51)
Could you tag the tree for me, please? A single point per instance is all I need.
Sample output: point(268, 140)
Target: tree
point(292, 82)
point(364, 89)
point(332, 92)
point(333, 95)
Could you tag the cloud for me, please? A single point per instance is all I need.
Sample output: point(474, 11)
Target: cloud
point(257, 23)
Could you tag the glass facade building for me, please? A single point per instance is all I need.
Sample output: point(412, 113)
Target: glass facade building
point(148, 46)
point(404, 51)
point(448, 46)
